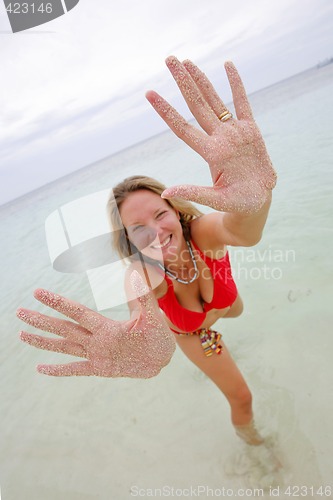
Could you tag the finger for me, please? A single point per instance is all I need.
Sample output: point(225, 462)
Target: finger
point(140, 288)
point(188, 133)
point(241, 102)
point(152, 324)
point(145, 296)
point(61, 327)
point(209, 196)
point(222, 199)
point(55, 345)
point(198, 106)
point(206, 88)
point(79, 368)
point(87, 318)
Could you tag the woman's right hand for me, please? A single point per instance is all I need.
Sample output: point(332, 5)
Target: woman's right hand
point(136, 348)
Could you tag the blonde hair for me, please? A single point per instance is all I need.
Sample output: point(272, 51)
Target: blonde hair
point(121, 243)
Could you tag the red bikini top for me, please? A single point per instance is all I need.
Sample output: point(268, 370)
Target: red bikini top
point(225, 293)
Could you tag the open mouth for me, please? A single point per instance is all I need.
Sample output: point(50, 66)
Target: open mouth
point(163, 244)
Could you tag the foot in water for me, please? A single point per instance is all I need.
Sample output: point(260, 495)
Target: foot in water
point(249, 434)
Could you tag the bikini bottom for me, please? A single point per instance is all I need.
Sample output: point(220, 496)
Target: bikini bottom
point(209, 340)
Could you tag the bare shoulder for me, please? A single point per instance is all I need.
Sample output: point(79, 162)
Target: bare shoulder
point(207, 234)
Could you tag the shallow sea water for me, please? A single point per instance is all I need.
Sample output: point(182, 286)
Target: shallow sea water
point(90, 438)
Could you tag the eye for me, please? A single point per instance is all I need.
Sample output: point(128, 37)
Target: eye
point(161, 213)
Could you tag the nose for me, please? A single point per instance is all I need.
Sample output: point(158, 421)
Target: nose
point(144, 237)
point(152, 235)
point(158, 238)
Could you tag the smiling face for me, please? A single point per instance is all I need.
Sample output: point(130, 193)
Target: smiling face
point(152, 225)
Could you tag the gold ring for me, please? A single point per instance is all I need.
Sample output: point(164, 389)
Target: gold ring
point(226, 115)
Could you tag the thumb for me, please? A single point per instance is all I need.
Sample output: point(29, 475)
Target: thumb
point(150, 313)
point(140, 288)
point(215, 197)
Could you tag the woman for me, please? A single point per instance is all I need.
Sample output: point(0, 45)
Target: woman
point(181, 263)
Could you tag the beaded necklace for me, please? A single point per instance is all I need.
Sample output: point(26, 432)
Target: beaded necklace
point(174, 277)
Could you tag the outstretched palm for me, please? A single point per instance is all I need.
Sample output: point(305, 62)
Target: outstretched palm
point(240, 167)
point(136, 348)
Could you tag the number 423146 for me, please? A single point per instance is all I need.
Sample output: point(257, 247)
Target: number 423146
point(305, 491)
point(29, 8)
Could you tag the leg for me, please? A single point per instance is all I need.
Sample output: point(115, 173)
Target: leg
point(222, 370)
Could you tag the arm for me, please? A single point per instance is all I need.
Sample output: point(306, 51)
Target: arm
point(215, 230)
point(244, 230)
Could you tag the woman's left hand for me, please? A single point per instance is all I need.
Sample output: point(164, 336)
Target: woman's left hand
point(240, 167)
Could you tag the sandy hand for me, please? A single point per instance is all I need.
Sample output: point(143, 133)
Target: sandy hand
point(136, 348)
point(241, 170)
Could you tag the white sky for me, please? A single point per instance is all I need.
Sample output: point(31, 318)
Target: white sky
point(72, 90)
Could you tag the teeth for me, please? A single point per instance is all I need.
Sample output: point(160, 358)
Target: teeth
point(165, 242)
